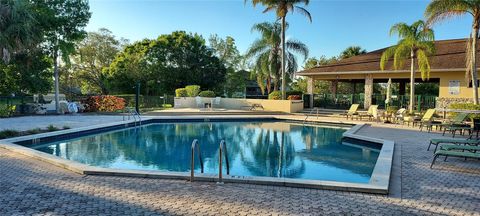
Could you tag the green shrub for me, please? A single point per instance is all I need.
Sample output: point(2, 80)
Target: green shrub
point(207, 93)
point(8, 133)
point(181, 92)
point(288, 93)
point(167, 106)
point(192, 90)
point(465, 106)
point(6, 110)
point(275, 95)
point(103, 103)
point(34, 131)
point(52, 128)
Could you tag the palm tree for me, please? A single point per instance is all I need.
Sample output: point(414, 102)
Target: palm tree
point(282, 7)
point(17, 27)
point(352, 51)
point(439, 10)
point(267, 52)
point(416, 42)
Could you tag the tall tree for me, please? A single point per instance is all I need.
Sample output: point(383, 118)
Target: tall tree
point(352, 51)
point(64, 21)
point(18, 27)
point(169, 62)
point(281, 8)
point(267, 51)
point(416, 43)
point(226, 50)
point(92, 58)
point(28, 72)
point(439, 10)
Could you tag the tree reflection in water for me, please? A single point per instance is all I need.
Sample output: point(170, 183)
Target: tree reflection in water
point(274, 149)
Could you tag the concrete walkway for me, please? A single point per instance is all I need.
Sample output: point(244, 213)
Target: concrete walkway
point(32, 187)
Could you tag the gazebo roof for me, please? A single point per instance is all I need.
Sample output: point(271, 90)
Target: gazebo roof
point(449, 56)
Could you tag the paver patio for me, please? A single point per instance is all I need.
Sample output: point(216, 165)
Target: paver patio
point(31, 187)
point(73, 121)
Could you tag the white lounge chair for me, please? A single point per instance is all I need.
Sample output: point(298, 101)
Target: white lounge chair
point(199, 102)
point(216, 101)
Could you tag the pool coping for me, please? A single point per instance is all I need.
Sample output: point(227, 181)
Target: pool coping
point(379, 181)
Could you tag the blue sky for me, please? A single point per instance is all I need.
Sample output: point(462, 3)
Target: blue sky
point(336, 24)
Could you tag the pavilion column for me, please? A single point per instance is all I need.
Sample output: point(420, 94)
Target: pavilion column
point(401, 88)
point(333, 87)
point(310, 86)
point(368, 91)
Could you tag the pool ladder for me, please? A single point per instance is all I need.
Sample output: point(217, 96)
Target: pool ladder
point(135, 115)
point(310, 113)
point(195, 145)
point(222, 151)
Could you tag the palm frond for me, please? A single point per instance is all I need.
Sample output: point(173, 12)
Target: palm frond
point(386, 55)
point(257, 47)
point(439, 10)
point(423, 64)
point(304, 12)
point(401, 29)
point(297, 47)
point(402, 53)
point(292, 64)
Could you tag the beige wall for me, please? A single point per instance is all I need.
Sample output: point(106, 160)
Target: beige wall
point(288, 106)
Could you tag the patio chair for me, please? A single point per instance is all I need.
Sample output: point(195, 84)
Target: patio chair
point(199, 102)
point(427, 120)
point(465, 152)
point(372, 113)
point(353, 111)
point(456, 124)
point(436, 142)
point(400, 114)
point(216, 101)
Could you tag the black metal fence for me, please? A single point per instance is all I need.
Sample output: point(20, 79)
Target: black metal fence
point(24, 105)
point(344, 101)
point(144, 102)
point(149, 102)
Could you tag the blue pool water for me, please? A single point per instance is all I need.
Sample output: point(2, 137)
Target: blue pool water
point(271, 149)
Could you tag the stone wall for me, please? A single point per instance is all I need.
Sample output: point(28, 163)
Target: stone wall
point(445, 102)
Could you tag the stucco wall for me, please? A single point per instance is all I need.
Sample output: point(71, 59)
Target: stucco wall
point(288, 106)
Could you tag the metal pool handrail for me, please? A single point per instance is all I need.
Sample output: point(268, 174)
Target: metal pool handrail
point(195, 144)
point(311, 111)
point(222, 149)
point(133, 113)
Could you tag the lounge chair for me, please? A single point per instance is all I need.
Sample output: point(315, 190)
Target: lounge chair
point(199, 102)
point(449, 147)
point(427, 120)
point(456, 124)
point(436, 142)
point(216, 101)
point(456, 153)
point(353, 111)
point(400, 114)
point(371, 113)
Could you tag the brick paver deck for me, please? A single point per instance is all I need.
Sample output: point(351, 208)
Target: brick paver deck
point(30, 187)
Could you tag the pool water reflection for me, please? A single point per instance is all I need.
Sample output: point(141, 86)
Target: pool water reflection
point(272, 149)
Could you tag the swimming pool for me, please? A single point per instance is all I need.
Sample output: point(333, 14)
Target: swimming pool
point(267, 148)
